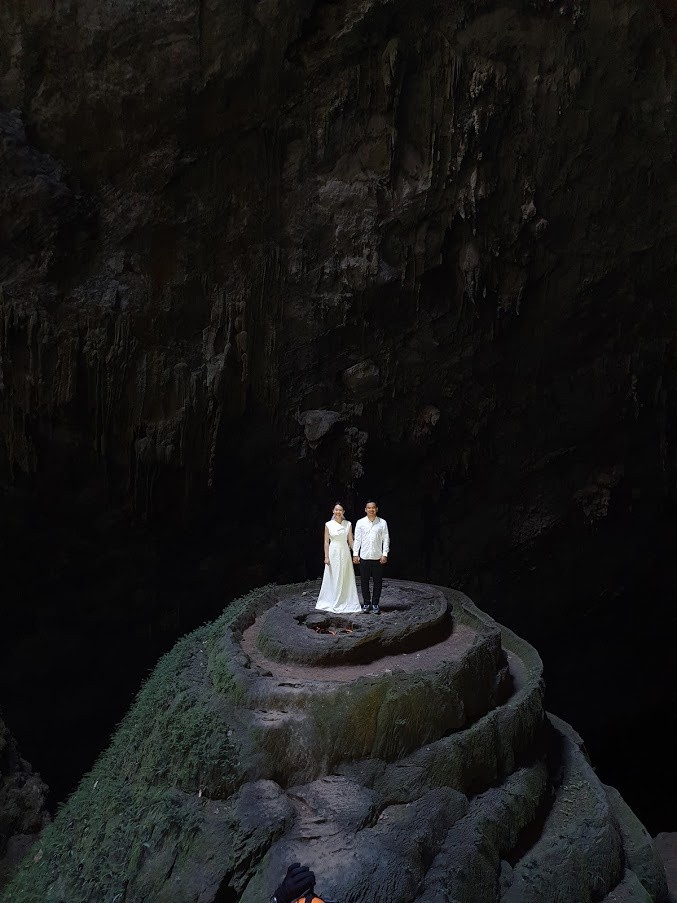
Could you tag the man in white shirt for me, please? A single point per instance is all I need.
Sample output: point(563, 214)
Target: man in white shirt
point(370, 550)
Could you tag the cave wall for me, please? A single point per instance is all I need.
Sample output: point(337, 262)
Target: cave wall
point(257, 257)
point(457, 240)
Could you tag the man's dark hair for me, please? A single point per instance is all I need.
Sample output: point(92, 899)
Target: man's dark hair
point(371, 502)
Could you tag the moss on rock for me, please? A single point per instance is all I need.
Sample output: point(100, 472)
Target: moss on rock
point(174, 738)
point(421, 780)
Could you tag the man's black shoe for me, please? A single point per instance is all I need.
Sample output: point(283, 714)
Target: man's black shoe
point(366, 607)
point(375, 610)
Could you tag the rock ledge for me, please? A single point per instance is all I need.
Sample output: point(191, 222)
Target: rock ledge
point(429, 774)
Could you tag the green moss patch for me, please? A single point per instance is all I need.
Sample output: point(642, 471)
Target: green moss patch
point(175, 740)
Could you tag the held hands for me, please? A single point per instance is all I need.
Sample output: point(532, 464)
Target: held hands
point(356, 559)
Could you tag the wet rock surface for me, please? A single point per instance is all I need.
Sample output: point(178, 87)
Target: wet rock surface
point(439, 777)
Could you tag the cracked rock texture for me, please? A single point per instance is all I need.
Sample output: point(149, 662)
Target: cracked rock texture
point(434, 775)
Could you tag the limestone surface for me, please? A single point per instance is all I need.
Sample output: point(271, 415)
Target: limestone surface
point(407, 757)
point(666, 846)
point(248, 247)
point(295, 631)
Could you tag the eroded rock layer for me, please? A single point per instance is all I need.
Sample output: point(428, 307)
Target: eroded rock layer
point(429, 772)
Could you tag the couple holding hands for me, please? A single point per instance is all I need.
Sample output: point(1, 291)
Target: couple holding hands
point(368, 548)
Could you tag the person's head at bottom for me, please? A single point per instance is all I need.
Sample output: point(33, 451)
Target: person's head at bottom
point(297, 886)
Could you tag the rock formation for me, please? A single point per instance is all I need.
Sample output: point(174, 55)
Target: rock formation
point(23, 810)
point(666, 844)
point(402, 757)
point(258, 256)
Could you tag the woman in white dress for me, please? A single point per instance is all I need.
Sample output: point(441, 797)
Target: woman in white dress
point(338, 592)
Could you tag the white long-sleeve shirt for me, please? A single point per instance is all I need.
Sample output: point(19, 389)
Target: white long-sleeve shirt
point(371, 538)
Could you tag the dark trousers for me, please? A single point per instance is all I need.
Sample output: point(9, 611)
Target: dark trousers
point(371, 569)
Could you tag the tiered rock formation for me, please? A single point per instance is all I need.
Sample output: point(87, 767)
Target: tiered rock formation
point(406, 757)
point(246, 247)
point(23, 810)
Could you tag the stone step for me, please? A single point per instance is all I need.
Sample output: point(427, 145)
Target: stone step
point(641, 856)
point(630, 890)
point(665, 844)
point(467, 867)
point(312, 717)
point(579, 853)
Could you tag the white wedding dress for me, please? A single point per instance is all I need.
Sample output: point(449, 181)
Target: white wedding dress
point(338, 592)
